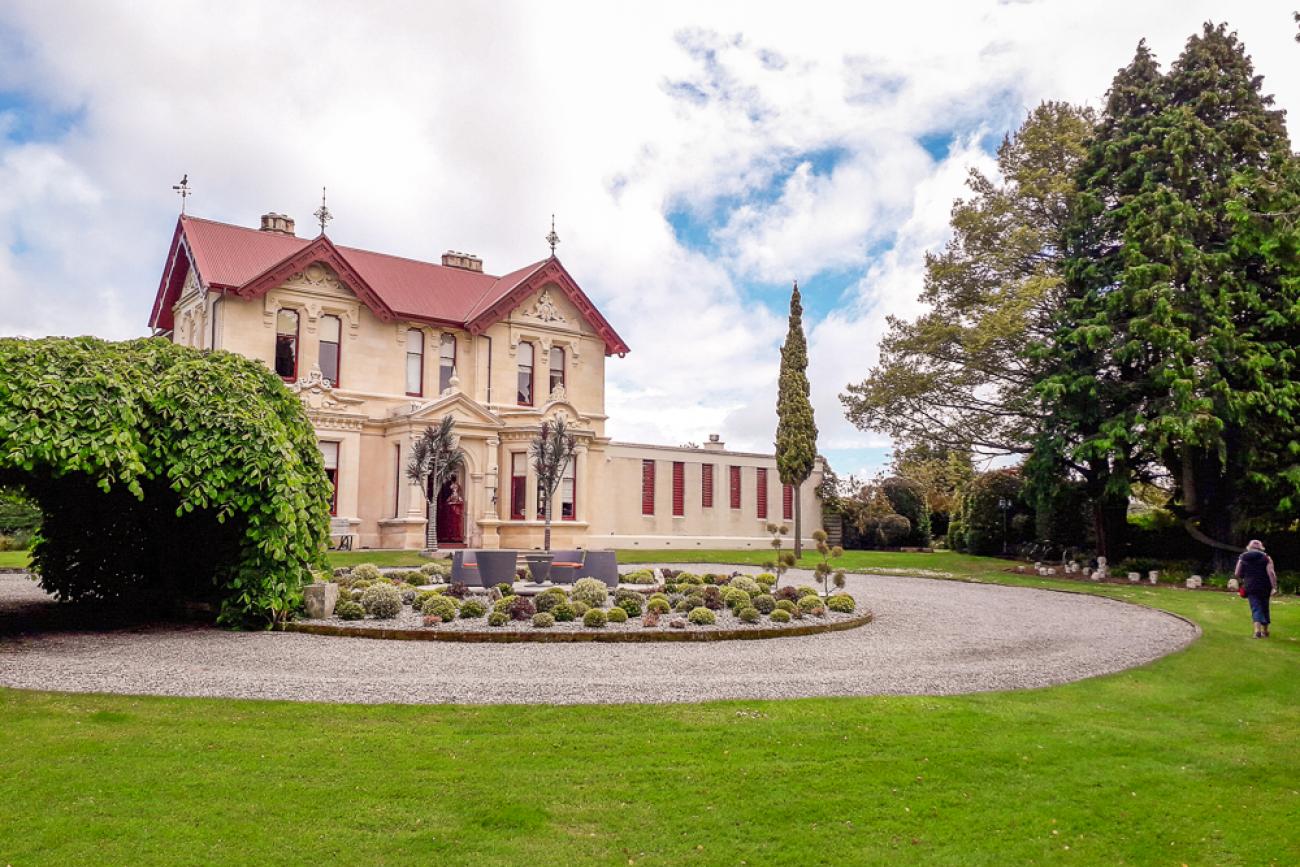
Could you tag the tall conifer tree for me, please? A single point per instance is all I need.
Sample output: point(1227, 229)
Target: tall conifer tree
point(796, 432)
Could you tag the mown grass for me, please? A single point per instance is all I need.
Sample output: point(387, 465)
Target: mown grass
point(1189, 760)
point(14, 559)
point(385, 557)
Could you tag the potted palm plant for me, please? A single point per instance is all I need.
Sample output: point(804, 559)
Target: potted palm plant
point(435, 458)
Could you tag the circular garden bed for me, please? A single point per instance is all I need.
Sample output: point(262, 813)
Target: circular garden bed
point(663, 606)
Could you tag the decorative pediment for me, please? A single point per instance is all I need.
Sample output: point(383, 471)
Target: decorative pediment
point(317, 393)
point(544, 309)
point(460, 407)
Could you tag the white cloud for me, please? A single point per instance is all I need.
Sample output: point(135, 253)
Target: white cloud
point(465, 125)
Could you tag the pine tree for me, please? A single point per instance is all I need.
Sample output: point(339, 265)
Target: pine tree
point(796, 432)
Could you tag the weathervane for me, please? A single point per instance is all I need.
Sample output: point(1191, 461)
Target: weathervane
point(183, 190)
point(552, 238)
point(322, 214)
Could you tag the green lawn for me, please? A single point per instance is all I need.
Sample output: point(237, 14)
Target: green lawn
point(1190, 760)
point(14, 559)
point(379, 558)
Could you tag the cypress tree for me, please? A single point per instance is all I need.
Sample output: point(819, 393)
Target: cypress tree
point(796, 432)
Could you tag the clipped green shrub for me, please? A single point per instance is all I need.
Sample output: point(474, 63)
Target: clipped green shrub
point(658, 606)
point(590, 591)
point(659, 595)
point(382, 601)
point(617, 615)
point(842, 603)
point(346, 609)
point(443, 606)
point(563, 612)
point(683, 605)
point(804, 590)
point(408, 594)
point(631, 605)
point(690, 578)
point(765, 603)
point(701, 617)
point(366, 572)
point(498, 618)
point(402, 576)
point(735, 598)
point(812, 605)
point(505, 589)
point(749, 615)
point(637, 576)
point(548, 599)
point(765, 580)
point(594, 618)
point(543, 620)
point(785, 605)
point(579, 608)
point(744, 582)
point(437, 568)
point(780, 615)
point(472, 608)
point(420, 596)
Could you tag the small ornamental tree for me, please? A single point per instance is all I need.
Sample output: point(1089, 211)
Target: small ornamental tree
point(552, 450)
point(782, 560)
point(827, 575)
point(163, 473)
point(796, 432)
point(435, 458)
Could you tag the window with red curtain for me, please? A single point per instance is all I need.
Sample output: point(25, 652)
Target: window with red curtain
point(647, 487)
point(706, 486)
point(787, 502)
point(679, 489)
point(518, 484)
point(760, 492)
point(735, 487)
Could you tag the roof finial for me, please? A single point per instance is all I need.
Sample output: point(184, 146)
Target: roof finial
point(552, 238)
point(183, 190)
point(322, 214)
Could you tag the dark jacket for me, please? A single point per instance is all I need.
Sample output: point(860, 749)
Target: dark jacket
point(1254, 573)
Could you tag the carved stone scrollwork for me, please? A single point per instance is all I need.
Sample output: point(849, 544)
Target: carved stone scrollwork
point(544, 309)
point(317, 393)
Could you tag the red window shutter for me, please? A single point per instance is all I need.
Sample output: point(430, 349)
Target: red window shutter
point(679, 489)
point(735, 487)
point(760, 492)
point(706, 485)
point(787, 502)
point(647, 487)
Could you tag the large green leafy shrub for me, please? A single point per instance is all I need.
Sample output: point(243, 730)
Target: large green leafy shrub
point(163, 472)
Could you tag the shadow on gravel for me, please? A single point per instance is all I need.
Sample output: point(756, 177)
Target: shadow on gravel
point(26, 610)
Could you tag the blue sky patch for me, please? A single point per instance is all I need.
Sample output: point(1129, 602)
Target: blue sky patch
point(27, 120)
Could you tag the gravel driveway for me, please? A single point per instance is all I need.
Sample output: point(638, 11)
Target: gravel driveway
point(930, 637)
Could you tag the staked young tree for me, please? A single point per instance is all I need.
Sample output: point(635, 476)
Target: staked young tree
point(435, 458)
point(552, 450)
point(796, 431)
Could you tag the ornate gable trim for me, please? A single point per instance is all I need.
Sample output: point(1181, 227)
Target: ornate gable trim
point(320, 250)
point(456, 400)
point(551, 272)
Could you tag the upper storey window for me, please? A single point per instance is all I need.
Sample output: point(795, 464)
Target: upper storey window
point(331, 329)
point(557, 368)
point(286, 344)
point(446, 362)
point(525, 396)
point(415, 362)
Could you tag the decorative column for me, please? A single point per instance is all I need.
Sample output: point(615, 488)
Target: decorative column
point(492, 480)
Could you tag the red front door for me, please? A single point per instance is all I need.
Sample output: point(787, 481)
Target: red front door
point(451, 513)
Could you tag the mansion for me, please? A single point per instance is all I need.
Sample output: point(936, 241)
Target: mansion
point(379, 347)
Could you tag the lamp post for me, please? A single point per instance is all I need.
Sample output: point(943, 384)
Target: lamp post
point(1005, 505)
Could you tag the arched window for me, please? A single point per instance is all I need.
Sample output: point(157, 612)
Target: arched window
point(286, 344)
point(446, 362)
point(557, 368)
point(331, 329)
point(525, 396)
point(415, 362)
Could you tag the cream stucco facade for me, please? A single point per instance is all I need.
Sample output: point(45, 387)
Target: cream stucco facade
point(369, 420)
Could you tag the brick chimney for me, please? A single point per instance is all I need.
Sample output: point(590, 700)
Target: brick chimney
point(464, 261)
point(278, 223)
point(715, 443)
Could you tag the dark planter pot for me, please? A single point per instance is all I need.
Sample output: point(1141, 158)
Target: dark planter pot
point(539, 566)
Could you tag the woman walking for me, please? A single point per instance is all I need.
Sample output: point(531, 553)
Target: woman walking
point(1259, 582)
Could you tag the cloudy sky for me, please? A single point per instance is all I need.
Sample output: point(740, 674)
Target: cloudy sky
point(698, 157)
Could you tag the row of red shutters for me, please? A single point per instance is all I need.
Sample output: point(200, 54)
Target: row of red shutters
point(706, 490)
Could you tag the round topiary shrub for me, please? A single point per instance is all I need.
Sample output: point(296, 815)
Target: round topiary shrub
point(765, 580)
point(735, 598)
point(590, 591)
point(502, 604)
point(563, 612)
point(617, 614)
point(366, 572)
point(630, 606)
point(346, 609)
point(437, 568)
point(841, 603)
point(744, 582)
point(472, 608)
point(780, 615)
point(658, 606)
point(812, 605)
point(764, 603)
point(579, 608)
point(594, 618)
point(786, 592)
point(701, 617)
point(382, 601)
point(749, 615)
point(712, 598)
point(804, 590)
point(785, 605)
point(690, 578)
point(543, 620)
point(498, 618)
point(408, 595)
point(548, 599)
point(683, 605)
point(443, 606)
point(637, 576)
point(505, 589)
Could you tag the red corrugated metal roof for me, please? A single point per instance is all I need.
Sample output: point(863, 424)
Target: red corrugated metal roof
point(234, 257)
